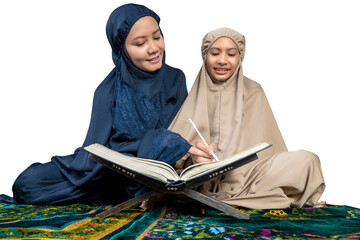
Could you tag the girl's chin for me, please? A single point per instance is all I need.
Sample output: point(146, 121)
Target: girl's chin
point(221, 78)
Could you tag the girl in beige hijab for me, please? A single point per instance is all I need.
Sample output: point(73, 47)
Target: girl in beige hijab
point(232, 112)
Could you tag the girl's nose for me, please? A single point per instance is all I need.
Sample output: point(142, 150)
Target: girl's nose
point(222, 59)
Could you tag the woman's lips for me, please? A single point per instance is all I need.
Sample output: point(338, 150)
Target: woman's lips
point(154, 60)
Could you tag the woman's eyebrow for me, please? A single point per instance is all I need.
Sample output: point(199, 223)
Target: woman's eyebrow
point(138, 37)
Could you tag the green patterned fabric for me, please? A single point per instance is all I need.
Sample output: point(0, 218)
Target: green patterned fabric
point(78, 221)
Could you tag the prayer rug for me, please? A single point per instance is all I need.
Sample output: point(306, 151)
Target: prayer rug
point(176, 221)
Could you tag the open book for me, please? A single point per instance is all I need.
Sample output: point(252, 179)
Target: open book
point(163, 175)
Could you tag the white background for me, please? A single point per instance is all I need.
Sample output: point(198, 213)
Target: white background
point(305, 54)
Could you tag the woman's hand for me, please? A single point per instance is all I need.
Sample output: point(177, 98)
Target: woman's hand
point(201, 153)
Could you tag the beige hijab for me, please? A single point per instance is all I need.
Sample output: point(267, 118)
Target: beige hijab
point(234, 114)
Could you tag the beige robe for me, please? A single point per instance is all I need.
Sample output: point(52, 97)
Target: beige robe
point(236, 115)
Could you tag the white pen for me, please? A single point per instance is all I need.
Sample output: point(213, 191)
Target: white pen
point(202, 138)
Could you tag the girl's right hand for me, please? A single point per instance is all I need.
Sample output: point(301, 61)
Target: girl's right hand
point(201, 153)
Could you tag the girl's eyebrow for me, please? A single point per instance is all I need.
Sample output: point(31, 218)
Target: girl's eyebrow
point(215, 48)
point(156, 31)
point(219, 49)
point(233, 48)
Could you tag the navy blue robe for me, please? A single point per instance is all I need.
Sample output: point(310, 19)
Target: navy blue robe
point(131, 112)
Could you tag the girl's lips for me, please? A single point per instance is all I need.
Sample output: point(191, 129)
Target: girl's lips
point(221, 71)
point(154, 60)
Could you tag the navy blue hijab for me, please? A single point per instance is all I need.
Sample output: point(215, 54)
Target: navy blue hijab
point(131, 112)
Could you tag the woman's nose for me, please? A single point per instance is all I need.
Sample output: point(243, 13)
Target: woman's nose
point(153, 48)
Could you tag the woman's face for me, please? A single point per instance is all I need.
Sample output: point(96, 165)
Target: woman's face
point(222, 59)
point(145, 44)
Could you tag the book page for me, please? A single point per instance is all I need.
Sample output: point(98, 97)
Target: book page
point(199, 169)
point(152, 168)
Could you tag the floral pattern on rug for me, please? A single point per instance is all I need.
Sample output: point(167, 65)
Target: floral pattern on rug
point(176, 221)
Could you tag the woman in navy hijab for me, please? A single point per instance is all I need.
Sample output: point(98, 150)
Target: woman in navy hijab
point(132, 109)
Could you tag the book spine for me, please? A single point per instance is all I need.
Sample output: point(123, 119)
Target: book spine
point(145, 180)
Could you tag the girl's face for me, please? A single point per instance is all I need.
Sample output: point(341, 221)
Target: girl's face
point(145, 44)
point(222, 59)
